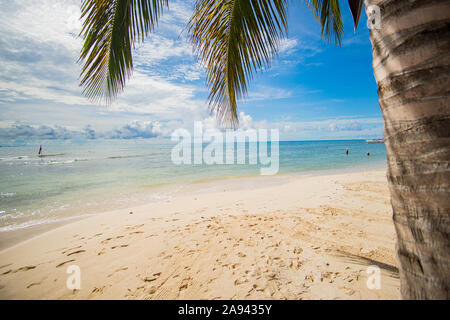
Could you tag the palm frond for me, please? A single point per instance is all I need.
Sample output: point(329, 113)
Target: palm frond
point(235, 38)
point(328, 13)
point(355, 8)
point(110, 30)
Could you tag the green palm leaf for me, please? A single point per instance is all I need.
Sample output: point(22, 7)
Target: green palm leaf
point(234, 39)
point(328, 13)
point(110, 30)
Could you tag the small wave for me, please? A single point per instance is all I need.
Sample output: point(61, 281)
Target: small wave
point(29, 158)
point(14, 158)
point(14, 215)
point(60, 162)
point(55, 162)
point(51, 155)
point(124, 157)
point(7, 194)
point(34, 223)
point(160, 197)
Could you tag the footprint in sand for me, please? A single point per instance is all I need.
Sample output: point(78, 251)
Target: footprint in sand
point(96, 235)
point(118, 270)
point(33, 284)
point(240, 281)
point(106, 241)
point(185, 283)
point(26, 268)
point(6, 265)
point(65, 251)
point(135, 227)
point(76, 252)
point(98, 290)
point(120, 246)
point(152, 278)
point(65, 262)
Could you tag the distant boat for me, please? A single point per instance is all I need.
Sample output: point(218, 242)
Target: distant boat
point(375, 141)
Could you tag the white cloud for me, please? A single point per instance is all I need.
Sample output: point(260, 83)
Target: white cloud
point(138, 129)
point(345, 128)
point(24, 131)
point(157, 48)
point(39, 48)
point(38, 51)
point(288, 46)
point(39, 80)
point(134, 129)
point(245, 121)
point(262, 92)
point(341, 128)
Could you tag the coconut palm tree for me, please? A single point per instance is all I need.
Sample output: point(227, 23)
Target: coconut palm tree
point(411, 62)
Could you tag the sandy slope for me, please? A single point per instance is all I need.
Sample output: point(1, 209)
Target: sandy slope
point(311, 238)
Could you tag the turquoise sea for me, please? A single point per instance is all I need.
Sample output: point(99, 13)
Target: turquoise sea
point(77, 178)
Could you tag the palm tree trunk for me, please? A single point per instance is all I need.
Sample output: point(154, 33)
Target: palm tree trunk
point(411, 61)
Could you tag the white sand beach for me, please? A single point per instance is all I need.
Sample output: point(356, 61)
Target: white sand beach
point(312, 237)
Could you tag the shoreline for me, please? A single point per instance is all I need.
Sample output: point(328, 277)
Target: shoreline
point(14, 237)
point(311, 237)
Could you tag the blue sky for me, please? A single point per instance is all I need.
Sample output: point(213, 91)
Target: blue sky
point(314, 90)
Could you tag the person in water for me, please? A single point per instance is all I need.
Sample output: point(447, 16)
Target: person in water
point(346, 151)
point(368, 154)
point(40, 150)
